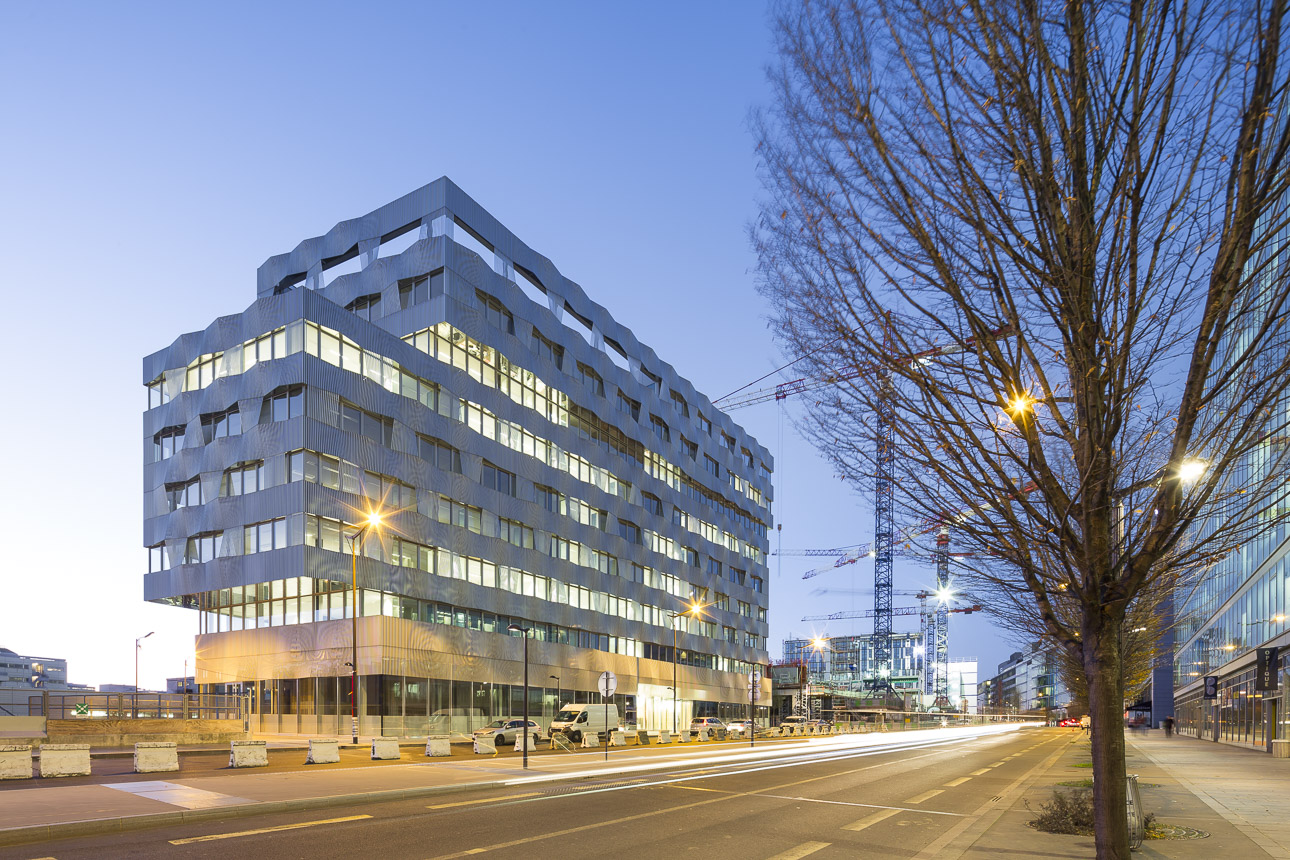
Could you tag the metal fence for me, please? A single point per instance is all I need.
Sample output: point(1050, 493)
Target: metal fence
point(117, 706)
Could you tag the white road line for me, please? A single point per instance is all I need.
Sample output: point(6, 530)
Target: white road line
point(800, 851)
point(862, 805)
point(962, 779)
point(193, 839)
point(870, 820)
point(926, 795)
point(981, 771)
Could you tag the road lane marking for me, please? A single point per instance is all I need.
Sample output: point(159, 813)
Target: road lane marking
point(959, 781)
point(697, 788)
point(800, 851)
point(615, 822)
point(861, 805)
point(926, 795)
point(190, 840)
point(981, 771)
point(484, 800)
point(870, 820)
point(999, 763)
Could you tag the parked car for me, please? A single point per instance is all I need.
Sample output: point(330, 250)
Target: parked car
point(739, 726)
point(504, 732)
point(1071, 723)
point(710, 723)
point(794, 721)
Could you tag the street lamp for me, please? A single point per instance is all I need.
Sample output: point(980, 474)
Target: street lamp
point(556, 678)
point(525, 631)
point(819, 644)
point(137, 645)
point(373, 520)
point(694, 609)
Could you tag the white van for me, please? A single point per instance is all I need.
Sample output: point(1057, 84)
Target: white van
point(574, 721)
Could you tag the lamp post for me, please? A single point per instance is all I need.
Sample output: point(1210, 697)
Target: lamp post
point(138, 643)
point(373, 519)
point(819, 644)
point(692, 610)
point(525, 631)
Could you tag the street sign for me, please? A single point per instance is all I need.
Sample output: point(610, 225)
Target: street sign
point(607, 684)
point(1211, 687)
point(81, 709)
point(1266, 677)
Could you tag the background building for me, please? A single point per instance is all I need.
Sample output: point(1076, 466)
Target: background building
point(1027, 683)
point(535, 465)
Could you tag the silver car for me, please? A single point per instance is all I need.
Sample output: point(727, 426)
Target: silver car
point(505, 731)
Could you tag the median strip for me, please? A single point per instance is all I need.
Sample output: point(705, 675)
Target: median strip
point(190, 840)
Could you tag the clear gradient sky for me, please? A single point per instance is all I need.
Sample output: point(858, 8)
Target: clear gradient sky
point(155, 155)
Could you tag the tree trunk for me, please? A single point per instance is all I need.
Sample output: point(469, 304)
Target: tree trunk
point(1102, 665)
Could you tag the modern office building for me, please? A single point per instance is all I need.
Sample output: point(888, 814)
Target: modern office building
point(852, 657)
point(1027, 683)
point(17, 670)
point(534, 466)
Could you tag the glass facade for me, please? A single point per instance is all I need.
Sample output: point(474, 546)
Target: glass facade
point(478, 422)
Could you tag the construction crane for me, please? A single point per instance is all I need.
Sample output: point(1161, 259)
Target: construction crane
point(884, 477)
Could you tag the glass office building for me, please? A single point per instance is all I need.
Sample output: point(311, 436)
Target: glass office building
point(533, 464)
point(1240, 603)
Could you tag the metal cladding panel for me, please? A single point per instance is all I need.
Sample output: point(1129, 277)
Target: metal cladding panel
point(327, 385)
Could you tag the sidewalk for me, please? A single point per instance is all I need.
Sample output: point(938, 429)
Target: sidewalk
point(1240, 797)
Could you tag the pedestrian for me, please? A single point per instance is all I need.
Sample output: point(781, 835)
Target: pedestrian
point(1169, 726)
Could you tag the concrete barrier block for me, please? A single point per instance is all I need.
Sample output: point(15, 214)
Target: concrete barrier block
point(683, 737)
point(486, 745)
point(65, 760)
point(703, 735)
point(156, 757)
point(385, 749)
point(323, 751)
point(248, 754)
point(642, 738)
point(438, 745)
point(519, 742)
point(1281, 749)
point(15, 761)
point(664, 737)
point(618, 739)
point(590, 740)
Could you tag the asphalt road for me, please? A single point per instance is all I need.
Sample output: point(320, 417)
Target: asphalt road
point(823, 804)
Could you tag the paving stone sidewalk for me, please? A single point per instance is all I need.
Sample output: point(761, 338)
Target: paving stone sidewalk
point(1240, 797)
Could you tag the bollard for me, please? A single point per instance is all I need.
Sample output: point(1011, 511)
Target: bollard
point(65, 760)
point(156, 757)
point(385, 749)
point(15, 761)
point(323, 751)
point(485, 745)
point(438, 745)
point(248, 754)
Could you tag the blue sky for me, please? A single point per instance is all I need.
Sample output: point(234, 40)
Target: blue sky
point(156, 154)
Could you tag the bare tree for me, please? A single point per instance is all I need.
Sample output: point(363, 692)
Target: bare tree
point(1050, 232)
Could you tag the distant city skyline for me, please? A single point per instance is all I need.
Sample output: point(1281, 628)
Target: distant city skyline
point(162, 158)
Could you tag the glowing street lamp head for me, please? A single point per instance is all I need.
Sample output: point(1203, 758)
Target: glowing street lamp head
point(1020, 403)
point(1191, 469)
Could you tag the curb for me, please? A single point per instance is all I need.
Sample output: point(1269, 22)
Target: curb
point(12, 836)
